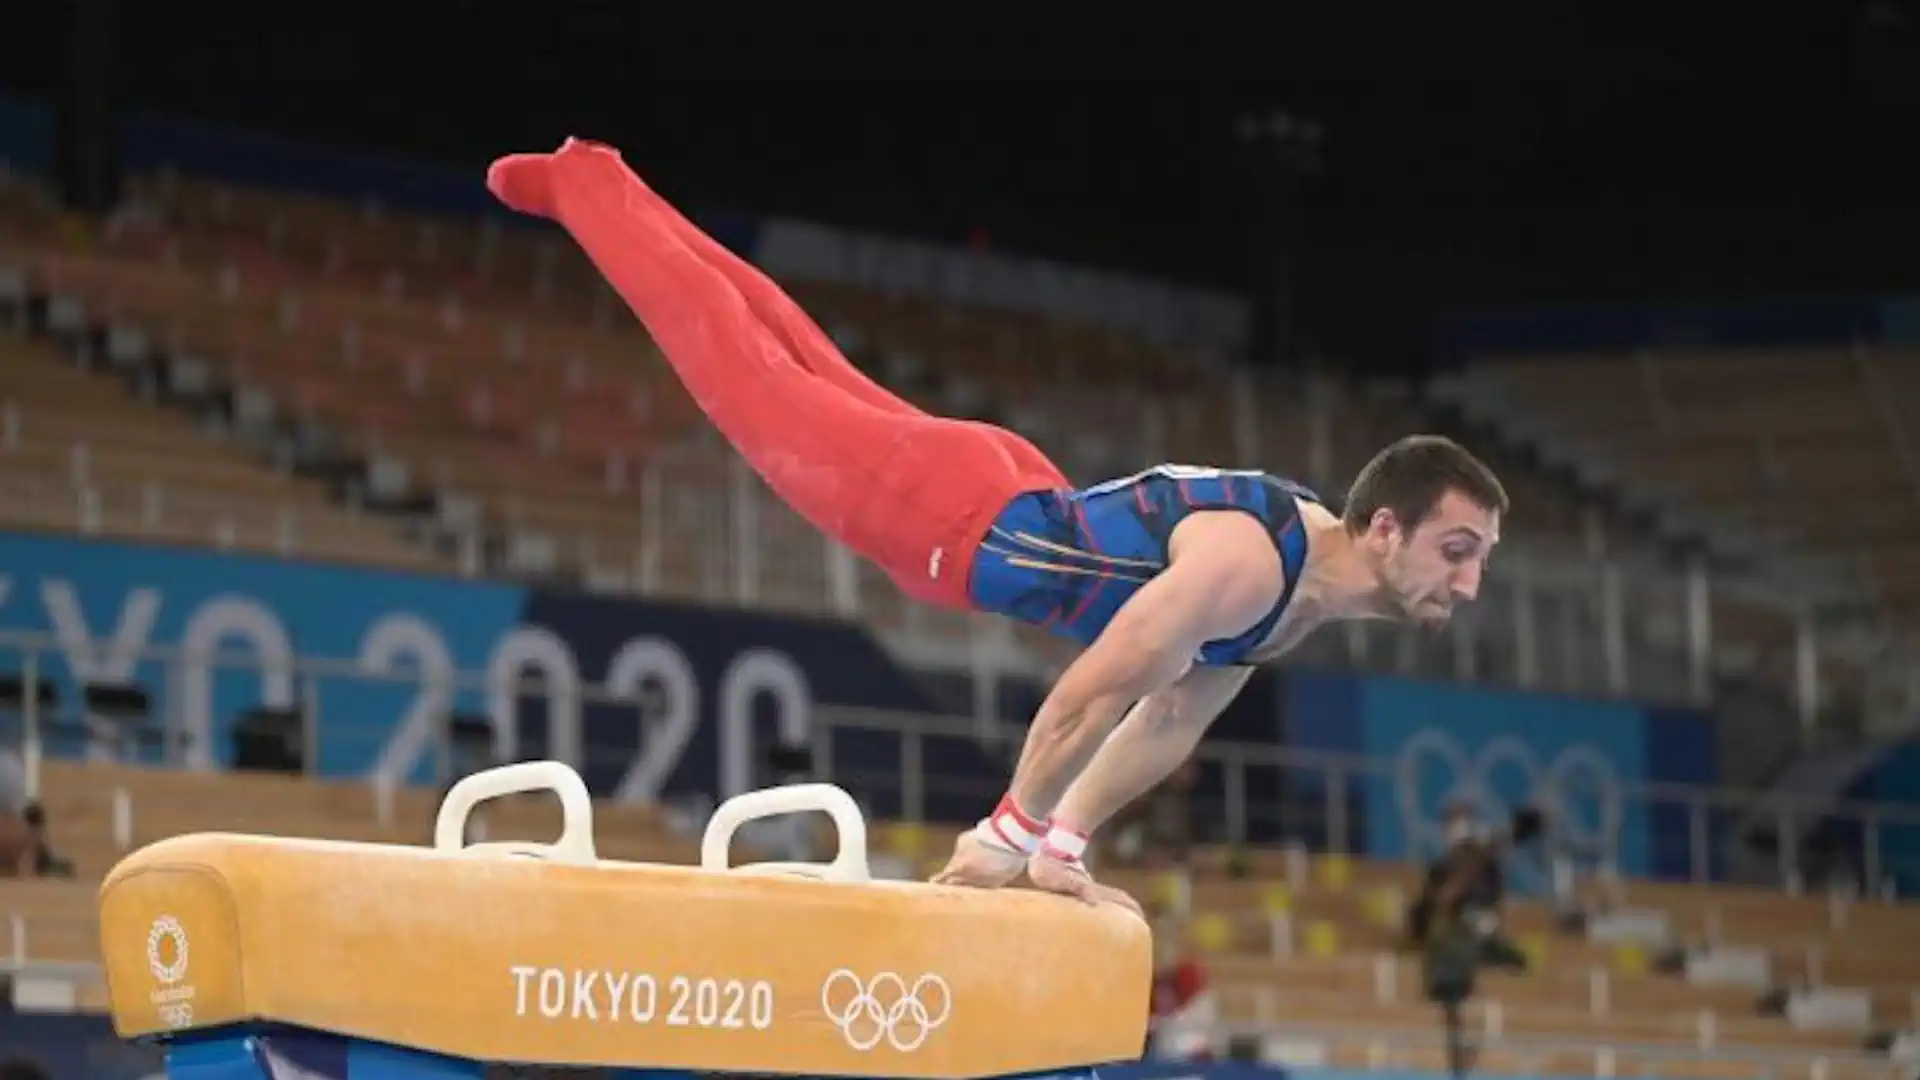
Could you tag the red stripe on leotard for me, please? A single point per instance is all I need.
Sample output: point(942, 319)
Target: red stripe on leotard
point(1086, 530)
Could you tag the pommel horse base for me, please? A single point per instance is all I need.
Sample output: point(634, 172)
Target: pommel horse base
point(266, 958)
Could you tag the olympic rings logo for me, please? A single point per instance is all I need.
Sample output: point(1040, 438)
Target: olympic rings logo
point(885, 1009)
point(1578, 790)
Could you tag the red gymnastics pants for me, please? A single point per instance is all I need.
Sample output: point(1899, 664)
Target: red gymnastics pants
point(912, 492)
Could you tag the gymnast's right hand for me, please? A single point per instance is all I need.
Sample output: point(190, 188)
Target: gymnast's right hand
point(1069, 877)
point(980, 863)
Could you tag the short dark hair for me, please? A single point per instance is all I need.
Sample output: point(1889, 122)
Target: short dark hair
point(1413, 475)
point(21, 1069)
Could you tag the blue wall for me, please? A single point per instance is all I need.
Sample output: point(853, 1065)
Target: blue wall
point(1774, 323)
point(1894, 778)
point(731, 679)
point(106, 602)
point(1499, 750)
point(150, 141)
point(257, 160)
point(26, 135)
point(75, 1047)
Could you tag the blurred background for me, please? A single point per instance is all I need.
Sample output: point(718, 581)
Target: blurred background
point(325, 481)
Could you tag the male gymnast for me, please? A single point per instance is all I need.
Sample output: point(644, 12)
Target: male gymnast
point(1176, 579)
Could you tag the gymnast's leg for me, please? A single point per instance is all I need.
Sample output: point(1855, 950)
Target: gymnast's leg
point(889, 485)
point(809, 345)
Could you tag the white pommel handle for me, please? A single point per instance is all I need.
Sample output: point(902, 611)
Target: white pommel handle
point(576, 811)
point(850, 864)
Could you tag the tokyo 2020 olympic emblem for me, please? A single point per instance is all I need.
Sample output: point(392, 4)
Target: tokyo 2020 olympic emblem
point(885, 1009)
point(1578, 790)
point(167, 950)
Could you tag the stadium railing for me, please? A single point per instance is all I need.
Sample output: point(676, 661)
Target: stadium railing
point(1549, 618)
point(919, 767)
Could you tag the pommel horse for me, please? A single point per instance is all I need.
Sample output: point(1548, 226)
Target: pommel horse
point(267, 958)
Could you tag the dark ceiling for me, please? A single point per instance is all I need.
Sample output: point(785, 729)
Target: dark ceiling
point(1550, 151)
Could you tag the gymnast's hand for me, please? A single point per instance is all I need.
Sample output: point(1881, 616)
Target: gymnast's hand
point(1070, 878)
point(980, 864)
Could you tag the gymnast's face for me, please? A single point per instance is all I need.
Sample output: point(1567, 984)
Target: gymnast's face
point(1439, 563)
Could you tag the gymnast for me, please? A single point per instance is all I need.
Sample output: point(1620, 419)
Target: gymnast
point(1177, 580)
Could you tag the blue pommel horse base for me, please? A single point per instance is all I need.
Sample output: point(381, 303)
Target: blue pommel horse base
point(267, 958)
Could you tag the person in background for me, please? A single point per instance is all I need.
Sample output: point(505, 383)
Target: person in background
point(1185, 1011)
point(24, 849)
point(1466, 886)
point(16, 846)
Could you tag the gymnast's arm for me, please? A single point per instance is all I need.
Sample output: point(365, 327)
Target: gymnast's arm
point(1153, 739)
point(1224, 575)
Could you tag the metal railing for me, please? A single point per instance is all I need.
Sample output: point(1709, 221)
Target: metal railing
point(1566, 616)
point(1551, 620)
point(903, 766)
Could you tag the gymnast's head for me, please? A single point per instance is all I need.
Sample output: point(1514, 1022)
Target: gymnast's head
point(1425, 515)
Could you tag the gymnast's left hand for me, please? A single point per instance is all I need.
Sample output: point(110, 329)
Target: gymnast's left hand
point(1057, 875)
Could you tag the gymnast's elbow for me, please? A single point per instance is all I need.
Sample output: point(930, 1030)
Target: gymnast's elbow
point(1121, 666)
point(1139, 655)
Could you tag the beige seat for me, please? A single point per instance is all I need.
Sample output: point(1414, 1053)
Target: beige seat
point(77, 452)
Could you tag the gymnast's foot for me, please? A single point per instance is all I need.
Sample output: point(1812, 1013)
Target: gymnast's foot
point(525, 181)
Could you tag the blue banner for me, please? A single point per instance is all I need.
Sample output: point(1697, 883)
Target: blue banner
point(1579, 760)
point(699, 692)
point(1500, 752)
point(107, 603)
point(721, 685)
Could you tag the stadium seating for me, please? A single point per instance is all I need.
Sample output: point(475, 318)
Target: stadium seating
point(1304, 945)
point(1745, 436)
point(528, 426)
point(81, 454)
point(513, 396)
point(519, 421)
point(1734, 444)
